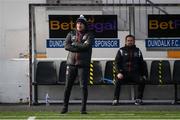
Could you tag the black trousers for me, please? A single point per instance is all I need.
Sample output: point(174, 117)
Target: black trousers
point(130, 77)
point(72, 72)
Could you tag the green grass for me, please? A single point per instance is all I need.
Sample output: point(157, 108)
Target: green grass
point(92, 115)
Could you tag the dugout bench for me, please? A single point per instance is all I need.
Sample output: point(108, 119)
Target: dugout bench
point(159, 72)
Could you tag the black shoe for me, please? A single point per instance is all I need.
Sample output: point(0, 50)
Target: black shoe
point(138, 102)
point(64, 110)
point(83, 112)
point(115, 102)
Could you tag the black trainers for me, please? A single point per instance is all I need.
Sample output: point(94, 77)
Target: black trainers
point(115, 102)
point(138, 102)
point(64, 110)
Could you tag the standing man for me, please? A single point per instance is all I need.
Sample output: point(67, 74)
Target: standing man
point(79, 44)
point(129, 65)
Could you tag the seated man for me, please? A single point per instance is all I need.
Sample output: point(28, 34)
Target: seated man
point(129, 65)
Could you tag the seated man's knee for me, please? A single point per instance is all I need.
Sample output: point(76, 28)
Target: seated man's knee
point(119, 82)
point(84, 87)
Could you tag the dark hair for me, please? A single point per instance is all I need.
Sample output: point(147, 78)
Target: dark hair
point(130, 36)
point(82, 21)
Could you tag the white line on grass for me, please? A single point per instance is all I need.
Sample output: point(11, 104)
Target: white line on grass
point(31, 118)
point(118, 114)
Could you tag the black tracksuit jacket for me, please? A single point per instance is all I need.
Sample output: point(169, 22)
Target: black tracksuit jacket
point(79, 52)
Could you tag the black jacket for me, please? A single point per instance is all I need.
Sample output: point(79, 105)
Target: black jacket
point(129, 59)
point(79, 52)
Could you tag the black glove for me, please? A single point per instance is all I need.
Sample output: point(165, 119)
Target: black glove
point(74, 43)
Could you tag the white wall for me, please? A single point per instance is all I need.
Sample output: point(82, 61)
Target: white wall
point(165, 1)
point(14, 24)
point(142, 1)
point(14, 39)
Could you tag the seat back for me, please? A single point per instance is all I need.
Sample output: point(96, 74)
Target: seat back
point(95, 72)
point(109, 73)
point(145, 70)
point(46, 73)
point(62, 72)
point(160, 72)
point(176, 71)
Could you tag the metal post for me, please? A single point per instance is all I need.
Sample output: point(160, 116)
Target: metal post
point(126, 15)
point(175, 94)
point(35, 94)
point(139, 16)
point(131, 20)
point(132, 92)
point(34, 53)
point(132, 32)
point(30, 55)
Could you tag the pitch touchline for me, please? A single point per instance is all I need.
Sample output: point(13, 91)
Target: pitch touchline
point(31, 118)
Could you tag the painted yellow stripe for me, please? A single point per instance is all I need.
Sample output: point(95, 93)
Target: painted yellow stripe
point(91, 82)
point(91, 73)
point(91, 65)
point(160, 81)
point(91, 78)
point(91, 69)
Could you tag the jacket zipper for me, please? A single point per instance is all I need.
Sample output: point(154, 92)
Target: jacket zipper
point(130, 59)
point(76, 54)
point(75, 57)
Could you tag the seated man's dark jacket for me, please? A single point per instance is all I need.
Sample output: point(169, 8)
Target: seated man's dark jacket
point(129, 60)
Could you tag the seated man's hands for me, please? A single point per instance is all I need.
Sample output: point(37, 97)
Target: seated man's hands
point(143, 78)
point(120, 76)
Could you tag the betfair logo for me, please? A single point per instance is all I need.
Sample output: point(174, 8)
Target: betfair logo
point(103, 26)
point(98, 27)
point(171, 24)
point(56, 25)
point(164, 25)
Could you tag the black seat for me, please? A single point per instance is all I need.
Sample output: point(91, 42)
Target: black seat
point(176, 71)
point(46, 73)
point(109, 74)
point(145, 72)
point(95, 73)
point(62, 72)
point(160, 72)
point(145, 69)
point(176, 78)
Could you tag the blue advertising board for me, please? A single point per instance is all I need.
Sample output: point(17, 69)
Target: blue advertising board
point(97, 43)
point(163, 43)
